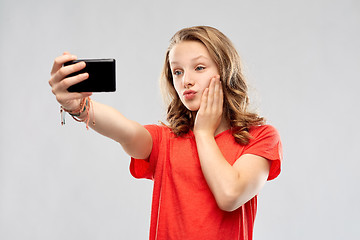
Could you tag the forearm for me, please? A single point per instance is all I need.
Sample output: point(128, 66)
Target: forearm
point(221, 177)
point(132, 136)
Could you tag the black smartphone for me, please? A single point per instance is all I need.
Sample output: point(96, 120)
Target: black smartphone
point(101, 76)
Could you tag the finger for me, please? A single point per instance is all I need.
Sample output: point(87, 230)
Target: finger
point(67, 70)
point(211, 92)
point(77, 95)
point(221, 97)
point(66, 97)
point(216, 93)
point(217, 88)
point(204, 100)
point(67, 82)
point(59, 61)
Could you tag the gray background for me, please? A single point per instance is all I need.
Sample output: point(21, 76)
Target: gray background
point(302, 61)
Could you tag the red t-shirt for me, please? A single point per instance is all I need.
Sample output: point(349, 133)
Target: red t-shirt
point(183, 207)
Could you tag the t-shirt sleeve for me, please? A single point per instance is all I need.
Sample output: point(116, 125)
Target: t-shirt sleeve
point(266, 143)
point(145, 168)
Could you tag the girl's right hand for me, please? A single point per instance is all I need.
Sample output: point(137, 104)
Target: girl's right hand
point(60, 82)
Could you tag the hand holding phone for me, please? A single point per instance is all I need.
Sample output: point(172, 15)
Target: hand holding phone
point(101, 76)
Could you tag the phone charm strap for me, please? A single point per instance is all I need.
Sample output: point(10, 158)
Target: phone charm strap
point(85, 106)
point(62, 116)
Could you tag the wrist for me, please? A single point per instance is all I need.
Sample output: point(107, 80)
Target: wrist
point(84, 103)
point(81, 114)
point(203, 134)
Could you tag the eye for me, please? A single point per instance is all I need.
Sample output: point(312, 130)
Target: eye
point(199, 68)
point(177, 72)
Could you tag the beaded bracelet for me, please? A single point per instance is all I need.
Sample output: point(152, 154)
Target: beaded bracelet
point(85, 105)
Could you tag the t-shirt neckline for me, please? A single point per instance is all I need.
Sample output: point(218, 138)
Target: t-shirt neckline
point(216, 136)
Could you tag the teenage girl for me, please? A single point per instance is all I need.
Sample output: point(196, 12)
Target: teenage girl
point(212, 158)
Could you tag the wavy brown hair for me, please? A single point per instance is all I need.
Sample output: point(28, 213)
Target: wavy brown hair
point(236, 99)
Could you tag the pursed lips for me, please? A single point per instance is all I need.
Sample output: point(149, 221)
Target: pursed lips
point(189, 94)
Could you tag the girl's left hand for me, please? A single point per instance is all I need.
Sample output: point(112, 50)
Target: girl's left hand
point(209, 115)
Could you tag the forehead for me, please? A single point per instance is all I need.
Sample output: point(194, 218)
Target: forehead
point(188, 50)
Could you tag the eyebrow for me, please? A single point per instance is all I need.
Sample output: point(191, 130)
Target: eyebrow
point(193, 60)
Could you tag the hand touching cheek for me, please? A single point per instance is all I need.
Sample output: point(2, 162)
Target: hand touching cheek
point(209, 116)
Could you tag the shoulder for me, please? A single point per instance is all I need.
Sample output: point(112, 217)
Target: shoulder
point(156, 126)
point(265, 139)
point(265, 142)
point(264, 130)
point(158, 131)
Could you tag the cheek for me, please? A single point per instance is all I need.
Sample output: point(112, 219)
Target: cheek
point(206, 82)
point(176, 87)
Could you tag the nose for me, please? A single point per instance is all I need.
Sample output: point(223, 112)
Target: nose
point(188, 80)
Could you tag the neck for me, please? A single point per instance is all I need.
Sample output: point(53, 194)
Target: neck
point(223, 126)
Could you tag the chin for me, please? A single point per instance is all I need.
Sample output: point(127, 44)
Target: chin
point(191, 105)
point(192, 108)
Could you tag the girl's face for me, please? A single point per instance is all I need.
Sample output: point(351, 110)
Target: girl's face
point(192, 69)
